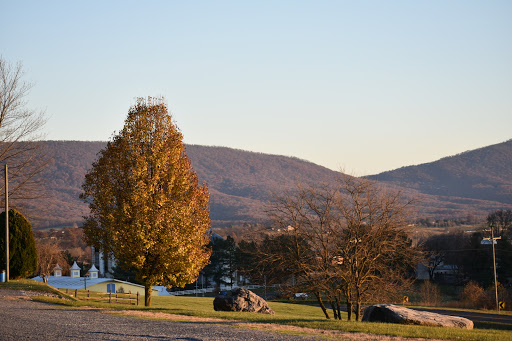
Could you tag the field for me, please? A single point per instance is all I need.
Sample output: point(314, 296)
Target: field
point(287, 314)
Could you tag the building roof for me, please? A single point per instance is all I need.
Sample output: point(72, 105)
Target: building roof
point(93, 269)
point(75, 266)
point(66, 282)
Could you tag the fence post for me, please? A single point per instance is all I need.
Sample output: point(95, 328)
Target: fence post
point(110, 297)
point(76, 293)
point(88, 293)
point(137, 298)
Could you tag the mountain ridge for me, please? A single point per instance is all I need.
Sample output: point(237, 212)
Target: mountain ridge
point(240, 183)
point(482, 173)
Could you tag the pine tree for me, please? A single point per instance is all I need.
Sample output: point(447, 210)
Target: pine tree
point(146, 207)
point(22, 245)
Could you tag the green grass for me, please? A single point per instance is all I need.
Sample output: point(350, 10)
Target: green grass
point(31, 285)
point(482, 311)
point(301, 315)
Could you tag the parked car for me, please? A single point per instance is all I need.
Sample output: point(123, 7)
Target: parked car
point(301, 296)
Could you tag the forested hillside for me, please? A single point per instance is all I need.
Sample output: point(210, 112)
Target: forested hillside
point(483, 174)
point(240, 183)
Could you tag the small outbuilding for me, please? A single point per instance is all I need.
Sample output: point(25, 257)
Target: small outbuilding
point(92, 282)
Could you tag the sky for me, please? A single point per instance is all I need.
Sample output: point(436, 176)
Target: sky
point(357, 86)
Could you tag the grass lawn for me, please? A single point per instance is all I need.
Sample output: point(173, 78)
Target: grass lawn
point(301, 315)
point(30, 285)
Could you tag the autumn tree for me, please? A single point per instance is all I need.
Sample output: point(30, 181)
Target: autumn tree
point(146, 206)
point(20, 129)
point(22, 245)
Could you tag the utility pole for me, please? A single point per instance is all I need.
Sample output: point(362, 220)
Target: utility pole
point(6, 225)
point(493, 241)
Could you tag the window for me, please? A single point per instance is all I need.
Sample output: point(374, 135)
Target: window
point(111, 287)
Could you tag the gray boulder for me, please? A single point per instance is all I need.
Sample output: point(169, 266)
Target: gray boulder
point(393, 314)
point(241, 300)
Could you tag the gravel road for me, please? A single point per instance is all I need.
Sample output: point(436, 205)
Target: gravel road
point(22, 319)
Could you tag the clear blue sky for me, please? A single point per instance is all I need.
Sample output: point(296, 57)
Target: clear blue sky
point(364, 86)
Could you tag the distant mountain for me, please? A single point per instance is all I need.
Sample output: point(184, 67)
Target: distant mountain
point(483, 174)
point(240, 183)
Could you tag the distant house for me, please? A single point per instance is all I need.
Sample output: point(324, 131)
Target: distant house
point(443, 273)
point(92, 282)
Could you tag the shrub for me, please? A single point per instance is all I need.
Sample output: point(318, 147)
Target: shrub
point(430, 294)
point(490, 297)
point(473, 296)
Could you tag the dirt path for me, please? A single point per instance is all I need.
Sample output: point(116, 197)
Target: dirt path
point(321, 333)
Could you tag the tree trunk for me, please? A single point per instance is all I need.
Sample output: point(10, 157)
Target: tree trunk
point(358, 309)
point(333, 307)
point(358, 304)
point(147, 292)
point(321, 303)
point(348, 300)
point(338, 308)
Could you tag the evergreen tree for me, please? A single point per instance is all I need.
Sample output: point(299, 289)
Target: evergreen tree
point(222, 267)
point(22, 246)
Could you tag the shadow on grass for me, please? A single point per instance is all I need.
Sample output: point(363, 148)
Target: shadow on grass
point(492, 325)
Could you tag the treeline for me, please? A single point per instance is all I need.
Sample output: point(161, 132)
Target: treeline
point(447, 222)
point(459, 257)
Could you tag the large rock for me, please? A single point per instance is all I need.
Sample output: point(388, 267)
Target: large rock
point(394, 314)
point(241, 300)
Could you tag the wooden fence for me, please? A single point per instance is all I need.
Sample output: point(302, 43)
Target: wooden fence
point(120, 298)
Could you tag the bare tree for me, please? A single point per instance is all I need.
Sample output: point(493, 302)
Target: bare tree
point(20, 128)
point(500, 221)
point(49, 255)
point(357, 246)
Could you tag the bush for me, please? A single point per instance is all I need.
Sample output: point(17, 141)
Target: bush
point(22, 246)
point(473, 296)
point(503, 296)
point(430, 294)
